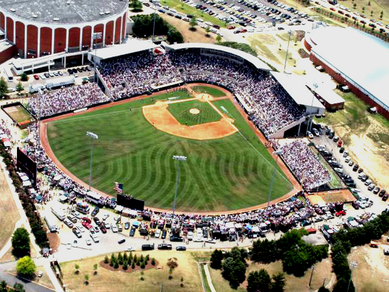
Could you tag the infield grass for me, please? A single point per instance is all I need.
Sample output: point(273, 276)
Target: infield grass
point(181, 111)
point(223, 174)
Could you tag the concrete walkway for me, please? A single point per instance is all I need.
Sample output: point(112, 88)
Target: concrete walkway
point(209, 279)
point(53, 278)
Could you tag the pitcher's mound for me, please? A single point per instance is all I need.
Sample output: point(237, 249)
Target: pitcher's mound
point(194, 111)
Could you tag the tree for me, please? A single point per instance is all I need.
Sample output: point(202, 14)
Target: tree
point(18, 287)
point(24, 77)
point(323, 289)
point(239, 46)
point(193, 23)
point(3, 286)
point(218, 39)
point(381, 14)
point(174, 36)
point(258, 281)
point(3, 87)
point(20, 242)
point(136, 6)
point(25, 267)
point(355, 5)
point(95, 268)
point(77, 267)
point(344, 285)
point(216, 259)
point(234, 271)
point(19, 87)
point(106, 260)
point(153, 261)
point(86, 277)
point(207, 30)
point(279, 282)
point(172, 264)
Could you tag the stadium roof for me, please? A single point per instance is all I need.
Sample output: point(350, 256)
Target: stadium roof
point(295, 86)
point(64, 11)
point(131, 46)
point(248, 57)
point(359, 57)
point(330, 96)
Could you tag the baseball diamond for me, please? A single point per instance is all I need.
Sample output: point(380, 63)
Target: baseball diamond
point(221, 174)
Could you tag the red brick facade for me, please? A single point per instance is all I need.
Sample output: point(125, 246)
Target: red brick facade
point(62, 39)
point(341, 80)
point(46, 43)
point(86, 37)
point(109, 33)
point(7, 54)
point(32, 41)
point(74, 38)
point(20, 38)
point(2, 21)
point(117, 30)
point(10, 29)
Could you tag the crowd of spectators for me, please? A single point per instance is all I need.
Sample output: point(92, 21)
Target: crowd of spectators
point(271, 108)
point(305, 165)
point(67, 99)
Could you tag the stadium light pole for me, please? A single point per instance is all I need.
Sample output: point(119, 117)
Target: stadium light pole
point(93, 136)
point(178, 158)
point(287, 49)
point(278, 153)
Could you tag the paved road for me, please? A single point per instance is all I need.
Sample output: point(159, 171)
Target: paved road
point(28, 286)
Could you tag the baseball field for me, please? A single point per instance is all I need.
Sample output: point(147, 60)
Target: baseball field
point(227, 173)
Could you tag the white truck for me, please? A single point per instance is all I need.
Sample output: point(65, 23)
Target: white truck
point(51, 223)
point(58, 82)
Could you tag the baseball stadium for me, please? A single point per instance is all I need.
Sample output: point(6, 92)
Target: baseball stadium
point(217, 107)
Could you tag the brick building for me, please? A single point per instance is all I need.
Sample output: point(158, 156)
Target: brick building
point(46, 27)
point(355, 59)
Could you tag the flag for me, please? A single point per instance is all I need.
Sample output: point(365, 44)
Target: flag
point(118, 188)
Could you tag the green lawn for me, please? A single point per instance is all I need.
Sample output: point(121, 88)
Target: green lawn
point(181, 111)
point(210, 90)
point(187, 9)
point(224, 174)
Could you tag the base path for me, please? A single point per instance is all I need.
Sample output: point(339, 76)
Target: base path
point(296, 186)
point(159, 116)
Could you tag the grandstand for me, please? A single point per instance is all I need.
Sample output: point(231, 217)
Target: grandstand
point(272, 102)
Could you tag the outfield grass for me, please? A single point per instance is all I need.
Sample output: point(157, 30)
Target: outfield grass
point(224, 174)
point(181, 111)
point(210, 90)
point(187, 9)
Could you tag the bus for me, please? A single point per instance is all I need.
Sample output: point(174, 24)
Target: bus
point(82, 207)
point(94, 198)
point(59, 213)
point(8, 74)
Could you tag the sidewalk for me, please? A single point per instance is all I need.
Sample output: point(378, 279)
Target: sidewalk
point(53, 278)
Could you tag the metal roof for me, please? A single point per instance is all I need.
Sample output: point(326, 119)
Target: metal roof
point(63, 11)
point(131, 46)
point(295, 86)
point(248, 57)
point(360, 58)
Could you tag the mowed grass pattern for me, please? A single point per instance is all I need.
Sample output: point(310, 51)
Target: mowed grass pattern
point(224, 174)
point(181, 111)
point(210, 90)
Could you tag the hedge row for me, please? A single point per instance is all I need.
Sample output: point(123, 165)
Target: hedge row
point(27, 203)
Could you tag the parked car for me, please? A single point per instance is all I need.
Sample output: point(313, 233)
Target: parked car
point(95, 211)
point(147, 247)
point(164, 246)
point(127, 225)
point(77, 232)
point(123, 240)
point(181, 248)
point(158, 233)
point(132, 232)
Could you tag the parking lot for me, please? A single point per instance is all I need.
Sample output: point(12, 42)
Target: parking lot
point(246, 14)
